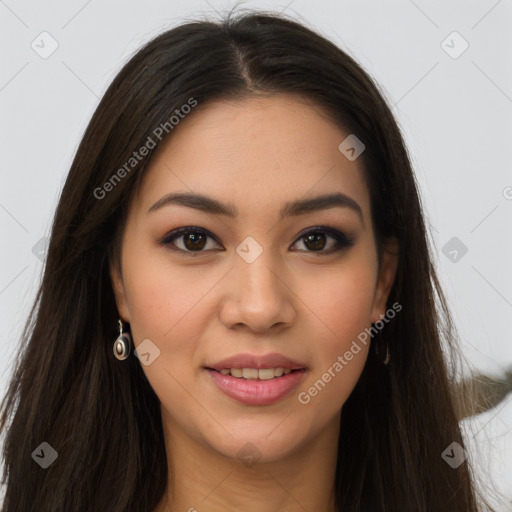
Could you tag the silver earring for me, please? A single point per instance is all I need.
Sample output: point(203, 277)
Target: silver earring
point(388, 355)
point(379, 351)
point(122, 343)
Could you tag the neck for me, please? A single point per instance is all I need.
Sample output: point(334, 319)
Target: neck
point(203, 479)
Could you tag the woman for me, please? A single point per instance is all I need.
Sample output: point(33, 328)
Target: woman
point(238, 309)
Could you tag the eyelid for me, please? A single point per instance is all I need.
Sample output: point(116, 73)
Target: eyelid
point(343, 240)
point(176, 233)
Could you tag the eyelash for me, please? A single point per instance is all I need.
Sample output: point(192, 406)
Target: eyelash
point(343, 241)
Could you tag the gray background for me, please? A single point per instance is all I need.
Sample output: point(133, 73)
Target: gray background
point(454, 109)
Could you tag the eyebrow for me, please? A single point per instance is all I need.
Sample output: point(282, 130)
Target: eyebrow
point(298, 207)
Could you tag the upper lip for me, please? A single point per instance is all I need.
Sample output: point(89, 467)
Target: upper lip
point(273, 360)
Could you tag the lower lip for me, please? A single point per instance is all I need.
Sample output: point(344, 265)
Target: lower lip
point(257, 392)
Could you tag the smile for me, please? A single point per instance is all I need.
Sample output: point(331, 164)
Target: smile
point(255, 373)
point(252, 386)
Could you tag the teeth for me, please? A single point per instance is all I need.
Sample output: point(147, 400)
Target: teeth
point(265, 374)
point(254, 373)
point(250, 373)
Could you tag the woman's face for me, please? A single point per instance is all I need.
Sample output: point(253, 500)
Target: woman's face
point(268, 275)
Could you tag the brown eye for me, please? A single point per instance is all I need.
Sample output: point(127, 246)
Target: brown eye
point(192, 239)
point(195, 240)
point(315, 240)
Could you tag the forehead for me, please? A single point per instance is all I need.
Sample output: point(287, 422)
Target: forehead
point(256, 153)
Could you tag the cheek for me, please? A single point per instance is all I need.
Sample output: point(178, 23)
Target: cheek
point(342, 306)
point(164, 302)
point(342, 300)
point(161, 293)
point(166, 306)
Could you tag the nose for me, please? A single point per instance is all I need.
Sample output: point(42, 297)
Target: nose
point(257, 297)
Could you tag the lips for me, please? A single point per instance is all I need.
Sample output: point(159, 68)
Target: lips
point(240, 377)
point(273, 360)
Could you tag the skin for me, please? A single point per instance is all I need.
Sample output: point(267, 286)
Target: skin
point(200, 307)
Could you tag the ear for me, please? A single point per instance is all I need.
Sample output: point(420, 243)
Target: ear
point(385, 279)
point(119, 292)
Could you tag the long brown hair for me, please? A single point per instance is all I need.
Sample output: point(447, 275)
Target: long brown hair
point(103, 418)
